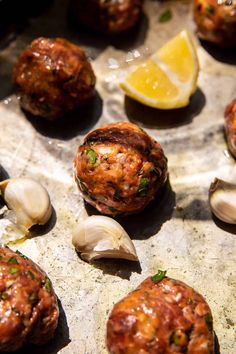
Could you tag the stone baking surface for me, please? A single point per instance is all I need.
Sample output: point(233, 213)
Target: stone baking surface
point(178, 232)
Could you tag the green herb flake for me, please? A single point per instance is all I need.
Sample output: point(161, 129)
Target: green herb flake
point(33, 298)
point(92, 156)
point(21, 254)
point(48, 285)
point(105, 157)
point(190, 301)
point(179, 338)
point(12, 260)
point(14, 270)
point(165, 16)
point(159, 276)
point(143, 187)
point(209, 321)
point(210, 9)
point(3, 296)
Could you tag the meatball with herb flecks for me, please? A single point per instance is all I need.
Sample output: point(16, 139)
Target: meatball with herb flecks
point(216, 21)
point(28, 304)
point(162, 316)
point(53, 78)
point(107, 16)
point(120, 168)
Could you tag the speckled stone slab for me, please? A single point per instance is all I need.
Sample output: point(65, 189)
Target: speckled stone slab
point(178, 232)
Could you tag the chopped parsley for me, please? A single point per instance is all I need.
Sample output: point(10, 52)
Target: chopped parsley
point(165, 16)
point(48, 285)
point(159, 276)
point(210, 9)
point(14, 270)
point(3, 296)
point(190, 301)
point(12, 260)
point(33, 298)
point(21, 254)
point(92, 156)
point(143, 187)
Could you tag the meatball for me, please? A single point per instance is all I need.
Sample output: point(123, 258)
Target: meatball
point(53, 77)
point(216, 21)
point(109, 17)
point(230, 126)
point(28, 304)
point(120, 168)
point(161, 317)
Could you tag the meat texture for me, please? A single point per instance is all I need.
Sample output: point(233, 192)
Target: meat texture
point(230, 126)
point(110, 16)
point(166, 317)
point(53, 77)
point(28, 305)
point(120, 168)
point(216, 21)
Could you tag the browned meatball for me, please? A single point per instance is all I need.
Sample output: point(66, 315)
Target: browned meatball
point(230, 126)
point(216, 21)
point(120, 168)
point(161, 317)
point(108, 16)
point(28, 305)
point(53, 77)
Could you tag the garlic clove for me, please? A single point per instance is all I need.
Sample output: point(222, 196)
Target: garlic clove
point(29, 201)
point(102, 237)
point(222, 199)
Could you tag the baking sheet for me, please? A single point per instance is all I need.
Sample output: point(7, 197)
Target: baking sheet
point(178, 232)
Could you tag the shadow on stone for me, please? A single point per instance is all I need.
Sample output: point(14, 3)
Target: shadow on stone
point(217, 345)
point(3, 174)
point(230, 228)
point(147, 223)
point(225, 55)
point(118, 267)
point(125, 41)
point(69, 126)
point(158, 118)
point(40, 230)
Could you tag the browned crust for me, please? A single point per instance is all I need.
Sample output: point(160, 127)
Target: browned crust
point(28, 304)
point(109, 17)
point(143, 161)
point(216, 21)
point(167, 317)
point(53, 77)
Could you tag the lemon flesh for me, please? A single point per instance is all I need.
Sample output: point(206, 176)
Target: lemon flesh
point(168, 78)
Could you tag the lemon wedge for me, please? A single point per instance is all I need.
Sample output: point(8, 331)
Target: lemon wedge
point(168, 78)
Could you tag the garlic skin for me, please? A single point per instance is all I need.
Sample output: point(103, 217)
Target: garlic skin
point(102, 237)
point(28, 200)
point(222, 199)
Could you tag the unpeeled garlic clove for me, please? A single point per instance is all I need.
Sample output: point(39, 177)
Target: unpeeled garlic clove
point(102, 237)
point(222, 199)
point(29, 201)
